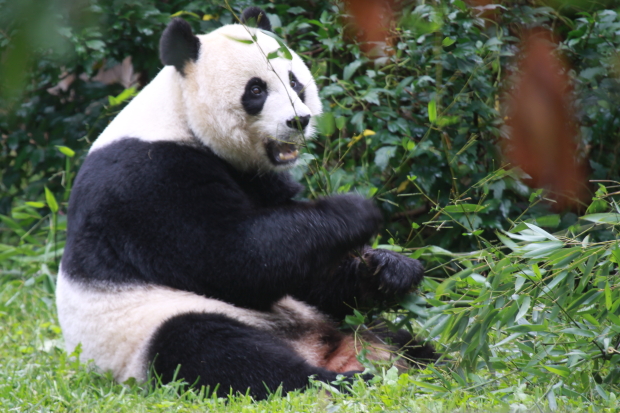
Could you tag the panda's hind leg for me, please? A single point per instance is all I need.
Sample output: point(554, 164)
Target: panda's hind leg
point(213, 350)
point(417, 352)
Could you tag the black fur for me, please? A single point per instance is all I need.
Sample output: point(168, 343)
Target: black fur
point(256, 17)
point(213, 350)
point(298, 87)
point(414, 350)
point(176, 215)
point(253, 102)
point(298, 123)
point(178, 45)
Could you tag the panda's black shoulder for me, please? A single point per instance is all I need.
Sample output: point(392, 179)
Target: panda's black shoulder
point(130, 158)
point(136, 168)
point(269, 188)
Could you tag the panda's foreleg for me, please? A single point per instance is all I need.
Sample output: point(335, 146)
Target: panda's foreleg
point(337, 292)
point(207, 349)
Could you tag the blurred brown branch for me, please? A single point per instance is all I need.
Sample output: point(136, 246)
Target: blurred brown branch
point(542, 126)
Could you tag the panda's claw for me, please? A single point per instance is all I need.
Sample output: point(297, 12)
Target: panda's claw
point(394, 274)
point(378, 269)
point(364, 376)
point(349, 376)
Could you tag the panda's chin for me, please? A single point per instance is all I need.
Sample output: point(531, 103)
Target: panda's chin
point(281, 153)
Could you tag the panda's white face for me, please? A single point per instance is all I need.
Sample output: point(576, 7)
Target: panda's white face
point(252, 111)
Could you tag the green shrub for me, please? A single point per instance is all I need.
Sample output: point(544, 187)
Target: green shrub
point(542, 306)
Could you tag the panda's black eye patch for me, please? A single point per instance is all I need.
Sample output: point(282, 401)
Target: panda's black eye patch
point(254, 96)
point(297, 86)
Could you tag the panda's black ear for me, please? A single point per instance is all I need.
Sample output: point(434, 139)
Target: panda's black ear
point(256, 17)
point(178, 45)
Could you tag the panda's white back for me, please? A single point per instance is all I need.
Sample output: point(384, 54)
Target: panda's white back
point(156, 114)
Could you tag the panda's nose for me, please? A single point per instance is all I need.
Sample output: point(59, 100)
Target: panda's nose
point(298, 122)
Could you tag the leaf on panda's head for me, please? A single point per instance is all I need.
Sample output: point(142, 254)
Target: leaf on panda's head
point(284, 50)
point(280, 52)
point(240, 40)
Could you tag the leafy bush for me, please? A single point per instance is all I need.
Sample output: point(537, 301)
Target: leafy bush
point(542, 306)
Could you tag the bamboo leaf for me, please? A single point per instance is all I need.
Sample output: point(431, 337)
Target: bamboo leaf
point(463, 208)
point(525, 306)
point(35, 204)
point(578, 332)
point(350, 69)
point(51, 200)
point(285, 53)
point(66, 151)
point(428, 386)
point(608, 300)
point(527, 328)
point(244, 41)
point(432, 111)
point(559, 370)
point(609, 218)
point(541, 231)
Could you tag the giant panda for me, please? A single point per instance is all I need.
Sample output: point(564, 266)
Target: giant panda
point(187, 256)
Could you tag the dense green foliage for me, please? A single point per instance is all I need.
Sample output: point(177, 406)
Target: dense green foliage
point(432, 98)
point(530, 319)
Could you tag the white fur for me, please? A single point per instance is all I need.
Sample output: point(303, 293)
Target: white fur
point(206, 102)
point(156, 114)
point(114, 324)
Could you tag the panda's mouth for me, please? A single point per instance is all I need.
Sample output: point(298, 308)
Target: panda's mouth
point(281, 153)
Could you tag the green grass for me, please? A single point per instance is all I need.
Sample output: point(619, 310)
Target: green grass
point(37, 375)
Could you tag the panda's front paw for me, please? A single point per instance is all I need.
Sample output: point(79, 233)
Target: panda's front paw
point(392, 273)
point(360, 216)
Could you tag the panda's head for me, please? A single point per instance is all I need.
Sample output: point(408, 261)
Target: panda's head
point(245, 97)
